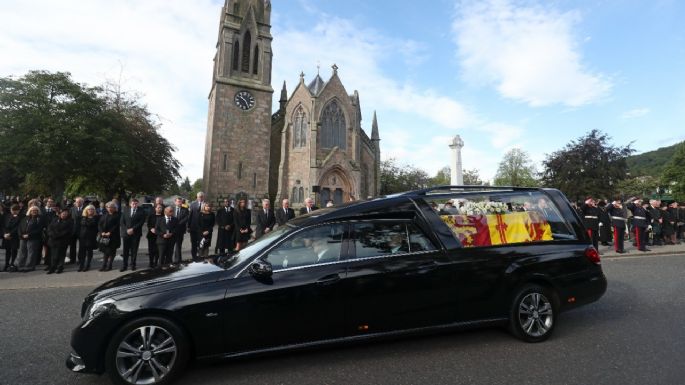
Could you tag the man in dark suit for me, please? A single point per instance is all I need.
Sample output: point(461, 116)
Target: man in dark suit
point(50, 212)
point(182, 215)
point(265, 219)
point(285, 213)
point(76, 213)
point(308, 206)
point(194, 223)
point(167, 229)
point(132, 220)
point(224, 221)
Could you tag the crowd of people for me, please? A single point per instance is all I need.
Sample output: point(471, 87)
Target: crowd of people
point(646, 222)
point(39, 231)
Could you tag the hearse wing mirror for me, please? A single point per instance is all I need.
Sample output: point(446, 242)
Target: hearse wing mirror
point(261, 269)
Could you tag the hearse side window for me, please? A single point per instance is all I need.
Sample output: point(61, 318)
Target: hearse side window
point(502, 218)
point(373, 239)
point(319, 244)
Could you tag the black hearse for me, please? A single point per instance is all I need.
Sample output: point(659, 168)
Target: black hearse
point(445, 257)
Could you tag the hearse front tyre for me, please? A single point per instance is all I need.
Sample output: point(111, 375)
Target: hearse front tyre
point(533, 313)
point(149, 350)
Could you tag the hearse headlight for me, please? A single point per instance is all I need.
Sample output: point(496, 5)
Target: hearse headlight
point(98, 308)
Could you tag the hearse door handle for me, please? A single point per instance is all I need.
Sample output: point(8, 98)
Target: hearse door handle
point(327, 280)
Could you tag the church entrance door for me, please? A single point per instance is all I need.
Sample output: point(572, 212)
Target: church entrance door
point(335, 186)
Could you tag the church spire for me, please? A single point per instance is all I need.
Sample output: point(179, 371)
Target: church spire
point(284, 97)
point(374, 128)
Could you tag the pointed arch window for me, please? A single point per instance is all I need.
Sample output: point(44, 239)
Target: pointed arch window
point(236, 56)
point(247, 43)
point(300, 195)
point(300, 128)
point(293, 197)
point(333, 126)
point(255, 61)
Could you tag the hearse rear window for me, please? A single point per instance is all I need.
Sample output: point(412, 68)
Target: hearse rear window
point(498, 219)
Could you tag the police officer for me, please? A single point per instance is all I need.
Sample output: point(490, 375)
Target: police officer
point(618, 216)
point(641, 220)
point(591, 214)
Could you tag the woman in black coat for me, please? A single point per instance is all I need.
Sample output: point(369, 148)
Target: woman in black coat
point(108, 228)
point(87, 237)
point(242, 220)
point(60, 232)
point(10, 235)
point(207, 220)
point(152, 249)
point(31, 239)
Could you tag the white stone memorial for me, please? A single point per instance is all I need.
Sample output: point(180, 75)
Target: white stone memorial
point(456, 172)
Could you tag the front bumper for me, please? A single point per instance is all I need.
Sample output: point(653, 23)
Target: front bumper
point(88, 344)
point(76, 364)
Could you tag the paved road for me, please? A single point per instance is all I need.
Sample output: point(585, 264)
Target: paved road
point(633, 335)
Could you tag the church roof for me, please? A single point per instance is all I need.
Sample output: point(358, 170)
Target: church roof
point(316, 85)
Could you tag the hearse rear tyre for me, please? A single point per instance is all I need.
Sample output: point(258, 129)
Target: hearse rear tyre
point(149, 350)
point(533, 313)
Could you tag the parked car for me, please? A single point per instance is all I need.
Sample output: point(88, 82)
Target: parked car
point(515, 257)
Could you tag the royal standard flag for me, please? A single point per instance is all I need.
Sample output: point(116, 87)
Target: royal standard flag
point(498, 229)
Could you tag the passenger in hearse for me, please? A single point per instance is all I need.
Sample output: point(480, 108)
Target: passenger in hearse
point(397, 244)
point(325, 251)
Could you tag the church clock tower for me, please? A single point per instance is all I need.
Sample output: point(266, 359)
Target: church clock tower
point(239, 119)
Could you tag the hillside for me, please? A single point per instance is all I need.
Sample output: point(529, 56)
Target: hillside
point(650, 163)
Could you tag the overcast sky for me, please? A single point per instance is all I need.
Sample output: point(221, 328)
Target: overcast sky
point(501, 74)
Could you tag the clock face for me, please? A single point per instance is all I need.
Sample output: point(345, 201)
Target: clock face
point(244, 100)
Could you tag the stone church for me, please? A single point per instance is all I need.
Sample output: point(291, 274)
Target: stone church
point(313, 146)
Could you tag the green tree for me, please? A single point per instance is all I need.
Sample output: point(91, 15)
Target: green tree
point(588, 165)
point(196, 188)
point(442, 177)
point(674, 173)
point(57, 134)
point(639, 186)
point(516, 169)
point(472, 178)
point(186, 187)
point(46, 127)
point(142, 159)
point(396, 178)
